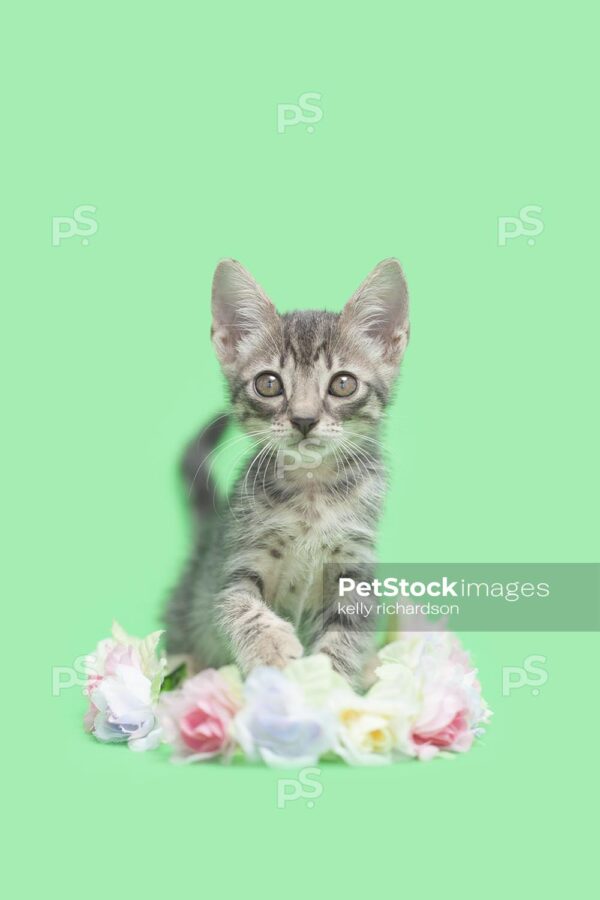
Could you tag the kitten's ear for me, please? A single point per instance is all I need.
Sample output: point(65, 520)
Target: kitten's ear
point(379, 309)
point(240, 308)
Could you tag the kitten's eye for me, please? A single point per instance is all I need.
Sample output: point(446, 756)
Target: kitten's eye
point(343, 385)
point(268, 385)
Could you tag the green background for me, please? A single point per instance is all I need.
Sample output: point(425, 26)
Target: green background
point(437, 119)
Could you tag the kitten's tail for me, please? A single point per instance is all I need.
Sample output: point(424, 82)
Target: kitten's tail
point(195, 464)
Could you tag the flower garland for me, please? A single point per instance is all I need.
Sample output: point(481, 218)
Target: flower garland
point(426, 699)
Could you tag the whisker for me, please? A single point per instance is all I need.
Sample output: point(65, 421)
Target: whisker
point(239, 456)
point(218, 448)
point(364, 437)
point(243, 489)
point(364, 460)
point(265, 450)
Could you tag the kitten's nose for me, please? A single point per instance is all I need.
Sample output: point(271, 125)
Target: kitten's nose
point(303, 424)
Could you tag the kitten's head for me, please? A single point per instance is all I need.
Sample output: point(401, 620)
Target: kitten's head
point(310, 374)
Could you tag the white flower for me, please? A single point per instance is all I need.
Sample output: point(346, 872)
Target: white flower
point(373, 730)
point(277, 725)
point(369, 730)
point(124, 680)
point(122, 647)
point(123, 709)
point(316, 677)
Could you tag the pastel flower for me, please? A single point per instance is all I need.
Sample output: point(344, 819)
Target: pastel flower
point(426, 699)
point(231, 675)
point(317, 679)
point(372, 730)
point(121, 709)
point(123, 648)
point(277, 725)
point(197, 717)
point(433, 676)
point(366, 729)
point(124, 679)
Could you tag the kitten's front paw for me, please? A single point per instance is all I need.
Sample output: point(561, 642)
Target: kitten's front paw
point(341, 658)
point(276, 646)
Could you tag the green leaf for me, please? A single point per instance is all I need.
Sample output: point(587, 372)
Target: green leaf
point(174, 678)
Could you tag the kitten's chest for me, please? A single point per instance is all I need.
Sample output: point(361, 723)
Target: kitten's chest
point(311, 527)
point(294, 583)
point(307, 539)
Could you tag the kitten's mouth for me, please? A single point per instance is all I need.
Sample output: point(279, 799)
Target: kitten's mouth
point(310, 440)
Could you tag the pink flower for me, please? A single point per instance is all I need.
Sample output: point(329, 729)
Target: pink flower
point(196, 718)
point(454, 735)
point(438, 685)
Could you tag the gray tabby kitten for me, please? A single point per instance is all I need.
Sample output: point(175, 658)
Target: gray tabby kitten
point(310, 388)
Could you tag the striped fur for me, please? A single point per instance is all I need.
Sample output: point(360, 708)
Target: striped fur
point(261, 585)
